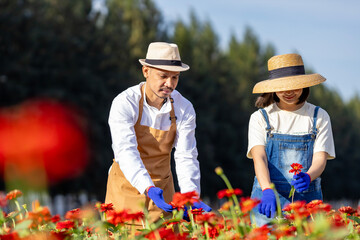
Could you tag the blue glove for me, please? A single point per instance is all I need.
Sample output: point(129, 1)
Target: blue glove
point(301, 181)
point(202, 205)
point(267, 205)
point(156, 194)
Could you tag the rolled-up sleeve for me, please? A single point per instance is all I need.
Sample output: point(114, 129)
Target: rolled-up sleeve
point(187, 165)
point(122, 118)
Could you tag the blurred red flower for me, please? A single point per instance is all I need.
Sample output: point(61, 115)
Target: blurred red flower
point(348, 210)
point(117, 217)
point(247, 204)
point(181, 199)
point(165, 234)
point(39, 217)
point(74, 214)
point(65, 225)
point(104, 207)
point(229, 192)
point(10, 236)
point(42, 140)
point(14, 194)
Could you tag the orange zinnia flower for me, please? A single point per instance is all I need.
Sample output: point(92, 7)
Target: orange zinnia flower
point(247, 204)
point(296, 168)
point(181, 199)
point(39, 217)
point(229, 192)
point(14, 194)
point(74, 214)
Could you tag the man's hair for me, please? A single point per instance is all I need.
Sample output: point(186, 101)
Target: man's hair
point(266, 99)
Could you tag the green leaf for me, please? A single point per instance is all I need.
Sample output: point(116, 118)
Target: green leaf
point(356, 219)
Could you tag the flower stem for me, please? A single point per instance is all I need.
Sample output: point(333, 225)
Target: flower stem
point(278, 205)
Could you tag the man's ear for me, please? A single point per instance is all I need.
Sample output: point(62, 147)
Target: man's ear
point(145, 70)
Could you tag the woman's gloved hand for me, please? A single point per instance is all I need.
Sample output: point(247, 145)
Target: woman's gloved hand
point(156, 194)
point(202, 205)
point(267, 205)
point(301, 181)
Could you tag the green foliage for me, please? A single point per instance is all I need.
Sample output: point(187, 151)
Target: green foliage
point(67, 51)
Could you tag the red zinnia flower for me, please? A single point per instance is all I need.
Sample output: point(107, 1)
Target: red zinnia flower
point(207, 217)
point(65, 225)
point(166, 234)
point(198, 211)
point(14, 194)
point(348, 210)
point(55, 218)
point(318, 205)
point(181, 199)
point(295, 168)
point(106, 207)
point(229, 192)
point(117, 217)
point(135, 216)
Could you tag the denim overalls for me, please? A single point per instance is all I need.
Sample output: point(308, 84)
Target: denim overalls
point(282, 150)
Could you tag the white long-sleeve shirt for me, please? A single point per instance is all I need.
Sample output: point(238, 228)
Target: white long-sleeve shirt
point(122, 119)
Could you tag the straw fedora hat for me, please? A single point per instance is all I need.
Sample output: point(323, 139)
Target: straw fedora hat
point(164, 56)
point(287, 72)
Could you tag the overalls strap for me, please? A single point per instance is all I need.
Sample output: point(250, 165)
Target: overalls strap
point(268, 127)
point(314, 129)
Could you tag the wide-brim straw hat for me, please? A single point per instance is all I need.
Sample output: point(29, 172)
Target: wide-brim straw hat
point(287, 72)
point(164, 56)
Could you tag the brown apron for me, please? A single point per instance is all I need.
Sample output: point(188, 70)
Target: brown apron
point(155, 151)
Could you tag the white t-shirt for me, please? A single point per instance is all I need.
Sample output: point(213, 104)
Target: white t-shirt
point(297, 122)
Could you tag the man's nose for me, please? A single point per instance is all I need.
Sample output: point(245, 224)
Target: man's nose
point(169, 83)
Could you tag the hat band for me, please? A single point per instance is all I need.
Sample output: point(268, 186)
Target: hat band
point(163, 62)
point(286, 72)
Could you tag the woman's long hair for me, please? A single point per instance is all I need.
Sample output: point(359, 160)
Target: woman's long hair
point(266, 99)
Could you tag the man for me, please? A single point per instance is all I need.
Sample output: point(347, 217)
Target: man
point(146, 122)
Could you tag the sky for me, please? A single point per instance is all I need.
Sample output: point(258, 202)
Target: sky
point(326, 33)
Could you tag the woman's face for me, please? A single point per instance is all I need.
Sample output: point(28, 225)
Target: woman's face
point(289, 99)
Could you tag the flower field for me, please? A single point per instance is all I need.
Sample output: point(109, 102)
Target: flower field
point(298, 220)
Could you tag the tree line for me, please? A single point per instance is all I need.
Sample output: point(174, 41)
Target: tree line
point(70, 52)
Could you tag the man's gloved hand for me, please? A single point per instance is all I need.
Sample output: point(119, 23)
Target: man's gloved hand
point(202, 205)
point(267, 205)
point(301, 181)
point(156, 194)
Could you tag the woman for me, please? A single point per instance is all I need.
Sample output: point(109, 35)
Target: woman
point(285, 130)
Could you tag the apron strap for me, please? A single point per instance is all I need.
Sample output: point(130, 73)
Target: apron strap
point(173, 118)
point(141, 105)
point(268, 127)
point(314, 129)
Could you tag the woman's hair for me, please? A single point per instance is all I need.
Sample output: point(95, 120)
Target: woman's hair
point(266, 99)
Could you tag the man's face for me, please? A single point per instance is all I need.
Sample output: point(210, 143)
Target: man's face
point(160, 82)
